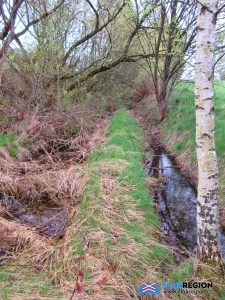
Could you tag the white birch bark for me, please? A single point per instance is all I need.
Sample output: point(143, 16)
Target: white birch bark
point(207, 204)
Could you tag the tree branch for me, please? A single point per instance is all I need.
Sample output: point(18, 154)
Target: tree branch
point(45, 15)
point(106, 67)
point(219, 48)
point(8, 25)
point(218, 59)
point(96, 14)
point(220, 9)
point(92, 33)
point(122, 58)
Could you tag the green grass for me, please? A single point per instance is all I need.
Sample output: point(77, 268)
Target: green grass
point(183, 272)
point(178, 131)
point(181, 112)
point(178, 146)
point(26, 284)
point(219, 90)
point(8, 139)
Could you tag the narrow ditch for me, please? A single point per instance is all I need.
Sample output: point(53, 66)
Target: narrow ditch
point(175, 202)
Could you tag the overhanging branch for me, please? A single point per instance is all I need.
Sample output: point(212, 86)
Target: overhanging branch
point(106, 67)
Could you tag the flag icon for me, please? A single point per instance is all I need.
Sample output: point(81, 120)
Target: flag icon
point(148, 288)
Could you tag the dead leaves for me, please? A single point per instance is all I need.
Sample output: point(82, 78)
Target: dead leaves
point(102, 281)
point(97, 293)
point(111, 268)
point(80, 284)
point(87, 247)
point(80, 275)
point(83, 257)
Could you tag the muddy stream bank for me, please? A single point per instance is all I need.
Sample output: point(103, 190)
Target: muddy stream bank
point(175, 202)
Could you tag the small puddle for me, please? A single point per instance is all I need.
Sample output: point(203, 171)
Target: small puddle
point(46, 220)
point(175, 202)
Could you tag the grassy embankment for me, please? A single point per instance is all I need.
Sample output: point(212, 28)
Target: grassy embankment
point(178, 128)
point(114, 238)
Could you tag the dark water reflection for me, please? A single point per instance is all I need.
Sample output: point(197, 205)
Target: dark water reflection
point(176, 203)
point(47, 220)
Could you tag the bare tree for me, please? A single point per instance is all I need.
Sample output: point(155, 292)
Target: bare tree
point(170, 32)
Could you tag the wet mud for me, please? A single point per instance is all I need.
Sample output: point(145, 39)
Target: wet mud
point(50, 221)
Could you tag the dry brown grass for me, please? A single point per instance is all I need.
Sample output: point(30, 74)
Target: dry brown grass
point(63, 136)
point(110, 166)
point(52, 178)
point(22, 240)
point(57, 187)
point(98, 241)
point(48, 172)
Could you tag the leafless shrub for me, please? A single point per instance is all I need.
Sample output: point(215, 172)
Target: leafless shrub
point(143, 90)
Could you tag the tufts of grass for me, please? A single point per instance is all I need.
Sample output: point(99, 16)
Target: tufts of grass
point(26, 283)
point(181, 111)
point(183, 272)
point(8, 139)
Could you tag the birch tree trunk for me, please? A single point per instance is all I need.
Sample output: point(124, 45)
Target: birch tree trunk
point(207, 204)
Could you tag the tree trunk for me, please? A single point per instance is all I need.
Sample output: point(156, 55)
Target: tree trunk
point(4, 50)
point(160, 112)
point(2, 60)
point(163, 97)
point(161, 109)
point(208, 247)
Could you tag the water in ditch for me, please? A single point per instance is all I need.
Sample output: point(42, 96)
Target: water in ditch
point(175, 202)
